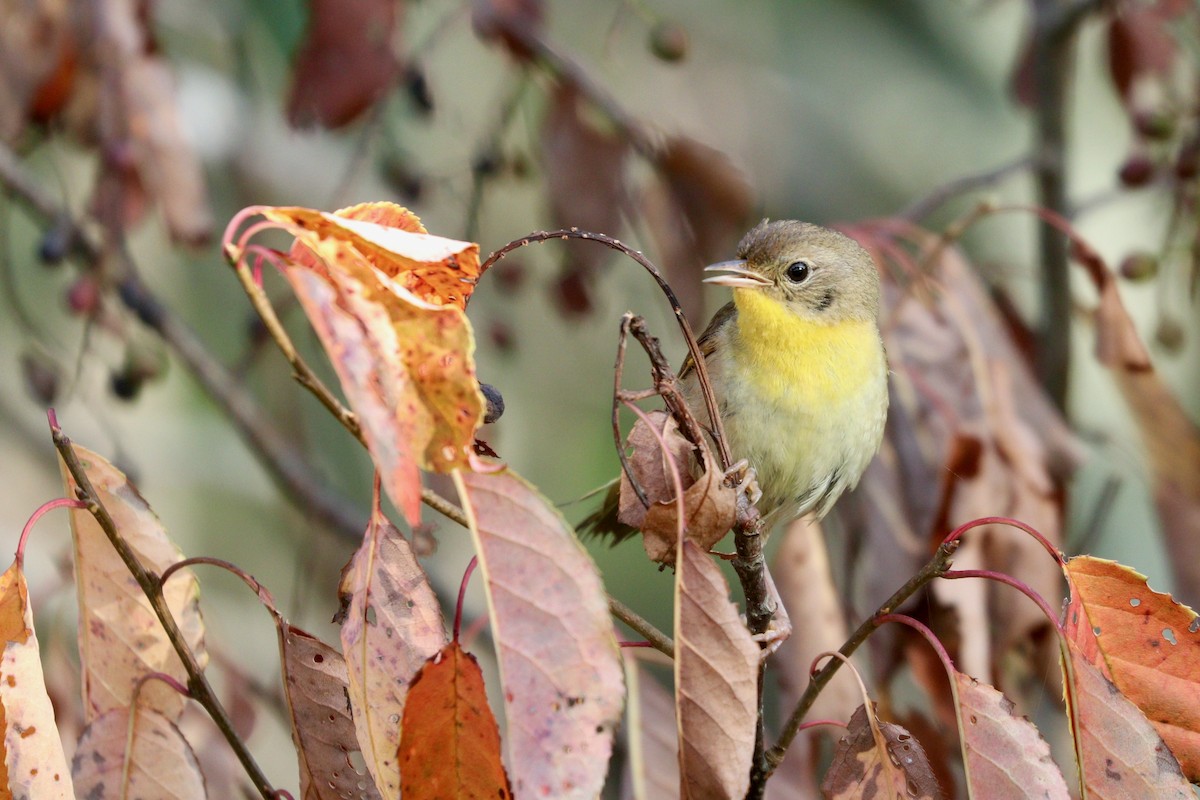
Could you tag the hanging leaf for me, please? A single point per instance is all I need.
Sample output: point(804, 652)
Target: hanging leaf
point(387, 301)
point(391, 625)
point(450, 746)
point(716, 682)
point(344, 37)
point(1146, 643)
point(1006, 758)
point(1119, 752)
point(115, 760)
point(33, 763)
point(652, 766)
point(878, 759)
point(315, 687)
point(120, 638)
point(559, 663)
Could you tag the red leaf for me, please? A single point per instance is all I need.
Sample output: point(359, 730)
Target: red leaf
point(449, 744)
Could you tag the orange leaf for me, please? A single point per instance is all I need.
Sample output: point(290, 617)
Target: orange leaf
point(449, 745)
point(1120, 754)
point(120, 637)
point(1146, 643)
point(391, 625)
point(314, 684)
point(878, 759)
point(716, 681)
point(33, 763)
point(559, 662)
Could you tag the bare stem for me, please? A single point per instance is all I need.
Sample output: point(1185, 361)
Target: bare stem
point(151, 586)
point(936, 567)
point(657, 639)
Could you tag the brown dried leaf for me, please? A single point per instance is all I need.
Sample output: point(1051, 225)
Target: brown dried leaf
point(709, 505)
point(509, 21)
point(344, 38)
point(878, 759)
point(35, 47)
point(1140, 45)
point(391, 625)
point(1120, 754)
point(120, 638)
point(1005, 756)
point(585, 179)
point(450, 746)
point(716, 682)
point(559, 661)
point(652, 766)
point(33, 763)
point(315, 687)
point(697, 213)
point(160, 761)
point(1146, 643)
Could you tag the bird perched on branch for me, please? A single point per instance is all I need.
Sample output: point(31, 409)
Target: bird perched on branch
point(797, 366)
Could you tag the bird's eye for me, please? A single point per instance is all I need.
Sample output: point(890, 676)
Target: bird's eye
point(797, 271)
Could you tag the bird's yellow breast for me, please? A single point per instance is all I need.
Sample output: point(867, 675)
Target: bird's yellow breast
point(794, 361)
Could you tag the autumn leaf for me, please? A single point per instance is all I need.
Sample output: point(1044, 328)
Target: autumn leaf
point(878, 759)
point(344, 37)
point(716, 681)
point(1119, 752)
point(1005, 756)
point(708, 504)
point(35, 49)
point(387, 301)
point(34, 764)
point(391, 625)
point(1146, 643)
point(449, 745)
point(315, 687)
point(148, 758)
point(120, 637)
point(652, 768)
point(559, 663)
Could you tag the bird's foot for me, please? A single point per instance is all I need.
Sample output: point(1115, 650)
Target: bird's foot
point(743, 477)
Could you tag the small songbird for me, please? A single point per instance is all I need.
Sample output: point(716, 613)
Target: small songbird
point(797, 365)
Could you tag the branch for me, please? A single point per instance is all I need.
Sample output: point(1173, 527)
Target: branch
point(936, 567)
point(151, 586)
point(657, 639)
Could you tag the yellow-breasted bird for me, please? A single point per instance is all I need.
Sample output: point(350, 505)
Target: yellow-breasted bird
point(797, 365)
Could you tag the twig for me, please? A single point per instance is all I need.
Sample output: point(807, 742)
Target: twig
point(937, 565)
point(151, 586)
point(924, 206)
point(657, 639)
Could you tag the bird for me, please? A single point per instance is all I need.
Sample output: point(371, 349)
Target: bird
point(798, 367)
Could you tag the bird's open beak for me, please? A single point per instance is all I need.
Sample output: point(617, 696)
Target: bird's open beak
point(739, 275)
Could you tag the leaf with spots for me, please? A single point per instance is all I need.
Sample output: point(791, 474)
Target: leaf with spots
point(716, 681)
point(1005, 756)
point(449, 745)
point(559, 664)
point(878, 759)
point(387, 300)
point(1120, 754)
point(33, 761)
point(147, 756)
point(315, 686)
point(391, 625)
point(120, 637)
point(1146, 643)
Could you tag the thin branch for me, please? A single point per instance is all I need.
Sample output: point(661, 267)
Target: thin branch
point(924, 206)
point(657, 639)
point(937, 566)
point(198, 685)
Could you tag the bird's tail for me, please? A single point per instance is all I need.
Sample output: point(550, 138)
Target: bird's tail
point(603, 522)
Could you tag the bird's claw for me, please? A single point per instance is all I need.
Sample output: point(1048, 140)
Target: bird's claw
point(743, 477)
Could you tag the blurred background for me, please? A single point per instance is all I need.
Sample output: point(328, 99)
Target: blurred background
point(672, 125)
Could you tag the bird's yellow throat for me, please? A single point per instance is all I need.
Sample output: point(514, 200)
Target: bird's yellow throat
point(789, 358)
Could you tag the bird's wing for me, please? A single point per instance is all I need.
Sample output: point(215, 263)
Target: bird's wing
point(708, 340)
